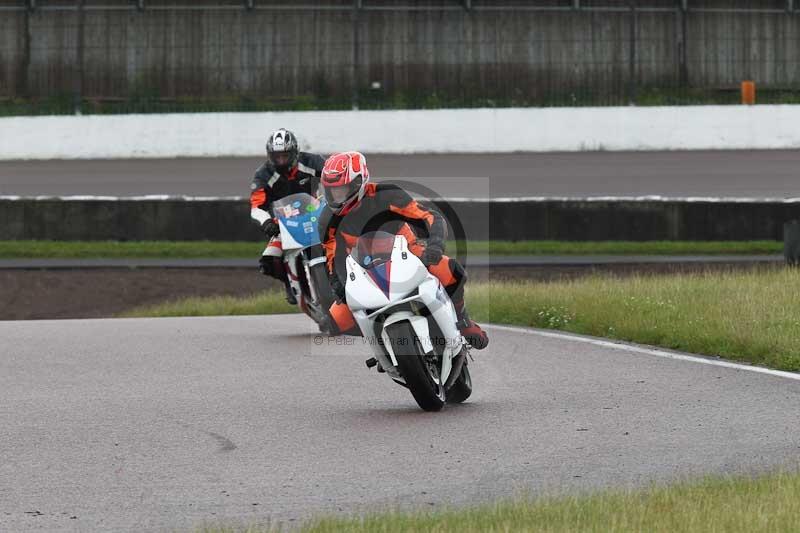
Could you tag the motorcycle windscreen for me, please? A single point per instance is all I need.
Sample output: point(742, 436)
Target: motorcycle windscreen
point(298, 215)
point(373, 252)
point(373, 249)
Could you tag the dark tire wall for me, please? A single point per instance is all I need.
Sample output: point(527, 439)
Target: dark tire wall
point(412, 368)
point(547, 219)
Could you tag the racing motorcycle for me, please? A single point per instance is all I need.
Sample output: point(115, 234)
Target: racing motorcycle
point(408, 320)
point(303, 255)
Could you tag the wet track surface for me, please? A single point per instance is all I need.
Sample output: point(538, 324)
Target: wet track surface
point(173, 423)
point(743, 174)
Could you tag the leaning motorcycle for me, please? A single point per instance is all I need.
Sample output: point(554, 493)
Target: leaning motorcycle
point(408, 320)
point(303, 255)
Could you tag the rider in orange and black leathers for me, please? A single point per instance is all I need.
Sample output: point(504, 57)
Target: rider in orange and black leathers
point(356, 207)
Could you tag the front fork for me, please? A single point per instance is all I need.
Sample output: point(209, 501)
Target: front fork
point(311, 258)
point(292, 281)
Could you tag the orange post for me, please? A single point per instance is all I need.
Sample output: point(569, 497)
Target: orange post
point(748, 92)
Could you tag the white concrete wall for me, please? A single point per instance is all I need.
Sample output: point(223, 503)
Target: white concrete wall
point(439, 131)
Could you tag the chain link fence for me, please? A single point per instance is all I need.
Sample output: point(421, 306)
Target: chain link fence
point(122, 56)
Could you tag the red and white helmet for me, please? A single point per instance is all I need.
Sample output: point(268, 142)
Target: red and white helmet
point(344, 180)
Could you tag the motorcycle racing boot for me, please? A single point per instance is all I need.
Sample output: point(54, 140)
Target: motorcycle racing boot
point(273, 267)
point(471, 331)
point(290, 297)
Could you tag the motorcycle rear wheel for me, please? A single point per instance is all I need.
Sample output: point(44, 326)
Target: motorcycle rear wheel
point(429, 394)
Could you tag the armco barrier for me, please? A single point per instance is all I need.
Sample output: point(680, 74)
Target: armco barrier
point(111, 219)
point(791, 242)
point(509, 219)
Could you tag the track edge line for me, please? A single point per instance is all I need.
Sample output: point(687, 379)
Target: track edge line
point(648, 350)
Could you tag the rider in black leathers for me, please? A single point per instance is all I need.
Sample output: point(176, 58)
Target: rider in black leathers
point(286, 171)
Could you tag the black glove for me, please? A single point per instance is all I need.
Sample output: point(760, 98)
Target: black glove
point(337, 287)
point(270, 228)
point(432, 254)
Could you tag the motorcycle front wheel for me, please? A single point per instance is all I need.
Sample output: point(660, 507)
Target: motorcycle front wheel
point(461, 388)
point(421, 377)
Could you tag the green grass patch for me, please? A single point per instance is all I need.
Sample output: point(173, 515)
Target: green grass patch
point(217, 249)
point(752, 317)
point(143, 98)
point(128, 249)
point(718, 505)
point(623, 247)
point(268, 303)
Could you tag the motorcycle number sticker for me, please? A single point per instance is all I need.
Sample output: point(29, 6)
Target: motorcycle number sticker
point(288, 211)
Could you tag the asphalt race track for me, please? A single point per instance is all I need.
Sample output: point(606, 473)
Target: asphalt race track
point(175, 423)
point(741, 174)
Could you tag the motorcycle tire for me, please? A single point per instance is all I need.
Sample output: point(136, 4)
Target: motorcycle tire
point(319, 275)
point(429, 395)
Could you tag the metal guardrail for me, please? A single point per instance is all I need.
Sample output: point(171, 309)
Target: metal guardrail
point(791, 7)
point(636, 60)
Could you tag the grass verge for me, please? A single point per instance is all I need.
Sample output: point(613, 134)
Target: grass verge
point(268, 303)
point(752, 317)
point(145, 99)
point(216, 249)
point(768, 503)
